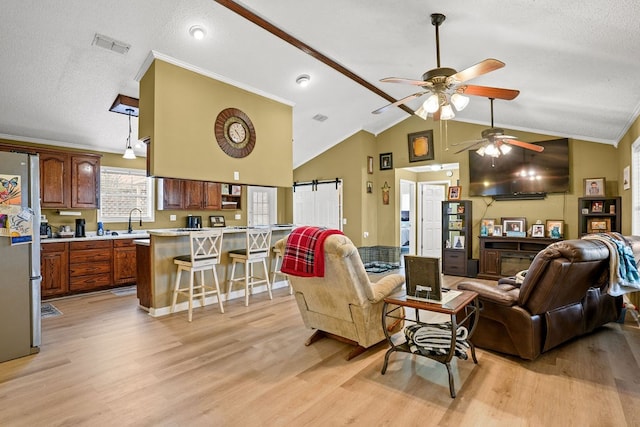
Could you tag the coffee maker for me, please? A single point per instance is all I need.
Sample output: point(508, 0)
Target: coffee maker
point(80, 225)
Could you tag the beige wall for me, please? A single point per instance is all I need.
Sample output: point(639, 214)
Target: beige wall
point(348, 161)
point(181, 118)
point(587, 159)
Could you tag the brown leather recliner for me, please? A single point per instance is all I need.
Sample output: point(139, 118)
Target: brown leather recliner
point(563, 296)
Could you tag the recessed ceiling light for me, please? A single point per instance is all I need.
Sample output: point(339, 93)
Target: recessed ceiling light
point(303, 80)
point(197, 32)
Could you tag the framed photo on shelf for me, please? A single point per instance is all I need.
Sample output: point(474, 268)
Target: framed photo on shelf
point(487, 226)
point(455, 192)
point(497, 230)
point(555, 228)
point(460, 209)
point(386, 161)
point(225, 189)
point(216, 221)
point(598, 225)
point(597, 206)
point(514, 225)
point(421, 146)
point(458, 242)
point(236, 190)
point(594, 187)
point(537, 230)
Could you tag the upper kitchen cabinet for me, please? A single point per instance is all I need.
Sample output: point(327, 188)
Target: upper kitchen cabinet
point(55, 175)
point(187, 194)
point(85, 182)
point(69, 180)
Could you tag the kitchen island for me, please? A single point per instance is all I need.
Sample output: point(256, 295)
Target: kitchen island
point(157, 271)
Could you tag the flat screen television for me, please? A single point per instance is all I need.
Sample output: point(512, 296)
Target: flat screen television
point(521, 173)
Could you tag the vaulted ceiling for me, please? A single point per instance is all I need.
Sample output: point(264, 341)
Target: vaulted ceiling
point(576, 63)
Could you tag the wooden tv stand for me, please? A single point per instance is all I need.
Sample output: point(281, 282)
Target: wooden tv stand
point(505, 256)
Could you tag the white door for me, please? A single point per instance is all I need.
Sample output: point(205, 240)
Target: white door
point(430, 199)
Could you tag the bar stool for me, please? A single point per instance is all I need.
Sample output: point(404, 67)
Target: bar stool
point(256, 251)
point(276, 268)
point(205, 254)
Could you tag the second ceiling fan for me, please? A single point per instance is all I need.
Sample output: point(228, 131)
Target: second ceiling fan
point(446, 85)
point(494, 142)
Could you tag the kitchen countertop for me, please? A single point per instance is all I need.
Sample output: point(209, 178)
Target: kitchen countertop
point(145, 234)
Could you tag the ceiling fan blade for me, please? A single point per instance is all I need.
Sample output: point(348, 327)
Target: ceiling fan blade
point(407, 81)
point(504, 137)
point(478, 69)
point(473, 145)
point(398, 102)
point(526, 145)
point(490, 92)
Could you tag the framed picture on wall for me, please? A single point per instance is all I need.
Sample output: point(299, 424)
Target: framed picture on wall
point(421, 146)
point(369, 165)
point(386, 161)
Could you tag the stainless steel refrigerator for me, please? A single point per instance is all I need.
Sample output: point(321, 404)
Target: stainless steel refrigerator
point(20, 266)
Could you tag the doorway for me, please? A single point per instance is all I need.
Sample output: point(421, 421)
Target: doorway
point(430, 198)
point(407, 217)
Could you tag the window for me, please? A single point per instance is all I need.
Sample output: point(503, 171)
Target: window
point(262, 203)
point(122, 190)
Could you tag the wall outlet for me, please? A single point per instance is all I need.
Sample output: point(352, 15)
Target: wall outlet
point(344, 221)
point(172, 217)
point(236, 175)
point(365, 234)
point(238, 216)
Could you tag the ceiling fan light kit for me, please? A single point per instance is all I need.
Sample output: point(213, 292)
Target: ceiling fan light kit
point(447, 86)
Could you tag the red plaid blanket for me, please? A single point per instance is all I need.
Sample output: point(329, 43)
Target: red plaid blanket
point(304, 253)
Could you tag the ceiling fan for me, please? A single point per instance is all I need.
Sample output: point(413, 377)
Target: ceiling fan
point(446, 85)
point(494, 142)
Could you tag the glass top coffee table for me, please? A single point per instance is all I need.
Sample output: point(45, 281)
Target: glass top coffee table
point(463, 311)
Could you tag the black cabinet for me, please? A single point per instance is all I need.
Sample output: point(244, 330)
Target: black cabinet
point(456, 238)
point(599, 215)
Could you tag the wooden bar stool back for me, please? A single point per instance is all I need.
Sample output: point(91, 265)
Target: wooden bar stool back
point(277, 253)
point(256, 252)
point(205, 252)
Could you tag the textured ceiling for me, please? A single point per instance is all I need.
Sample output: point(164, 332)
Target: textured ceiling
point(576, 63)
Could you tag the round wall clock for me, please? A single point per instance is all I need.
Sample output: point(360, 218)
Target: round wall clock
point(235, 133)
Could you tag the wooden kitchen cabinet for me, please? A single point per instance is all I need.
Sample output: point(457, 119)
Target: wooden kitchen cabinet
point(211, 192)
point(85, 181)
point(192, 194)
point(124, 261)
point(171, 193)
point(55, 175)
point(69, 180)
point(184, 194)
point(54, 268)
point(90, 264)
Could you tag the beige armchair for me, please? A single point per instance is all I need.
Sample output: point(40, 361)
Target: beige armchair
point(343, 304)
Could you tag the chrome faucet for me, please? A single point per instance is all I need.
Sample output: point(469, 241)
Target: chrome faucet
point(130, 230)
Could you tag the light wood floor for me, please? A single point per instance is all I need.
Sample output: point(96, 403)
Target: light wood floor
point(105, 362)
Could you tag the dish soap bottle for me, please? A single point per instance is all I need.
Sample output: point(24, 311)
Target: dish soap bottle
point(100, 229)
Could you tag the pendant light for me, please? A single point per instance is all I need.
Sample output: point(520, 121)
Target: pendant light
point(128, 152)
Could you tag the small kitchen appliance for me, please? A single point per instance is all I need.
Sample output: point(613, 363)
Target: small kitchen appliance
point(194, 221)
point(80, 227)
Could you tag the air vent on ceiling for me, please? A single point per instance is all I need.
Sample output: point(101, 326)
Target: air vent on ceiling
point(110, 44)
point(320, 117)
